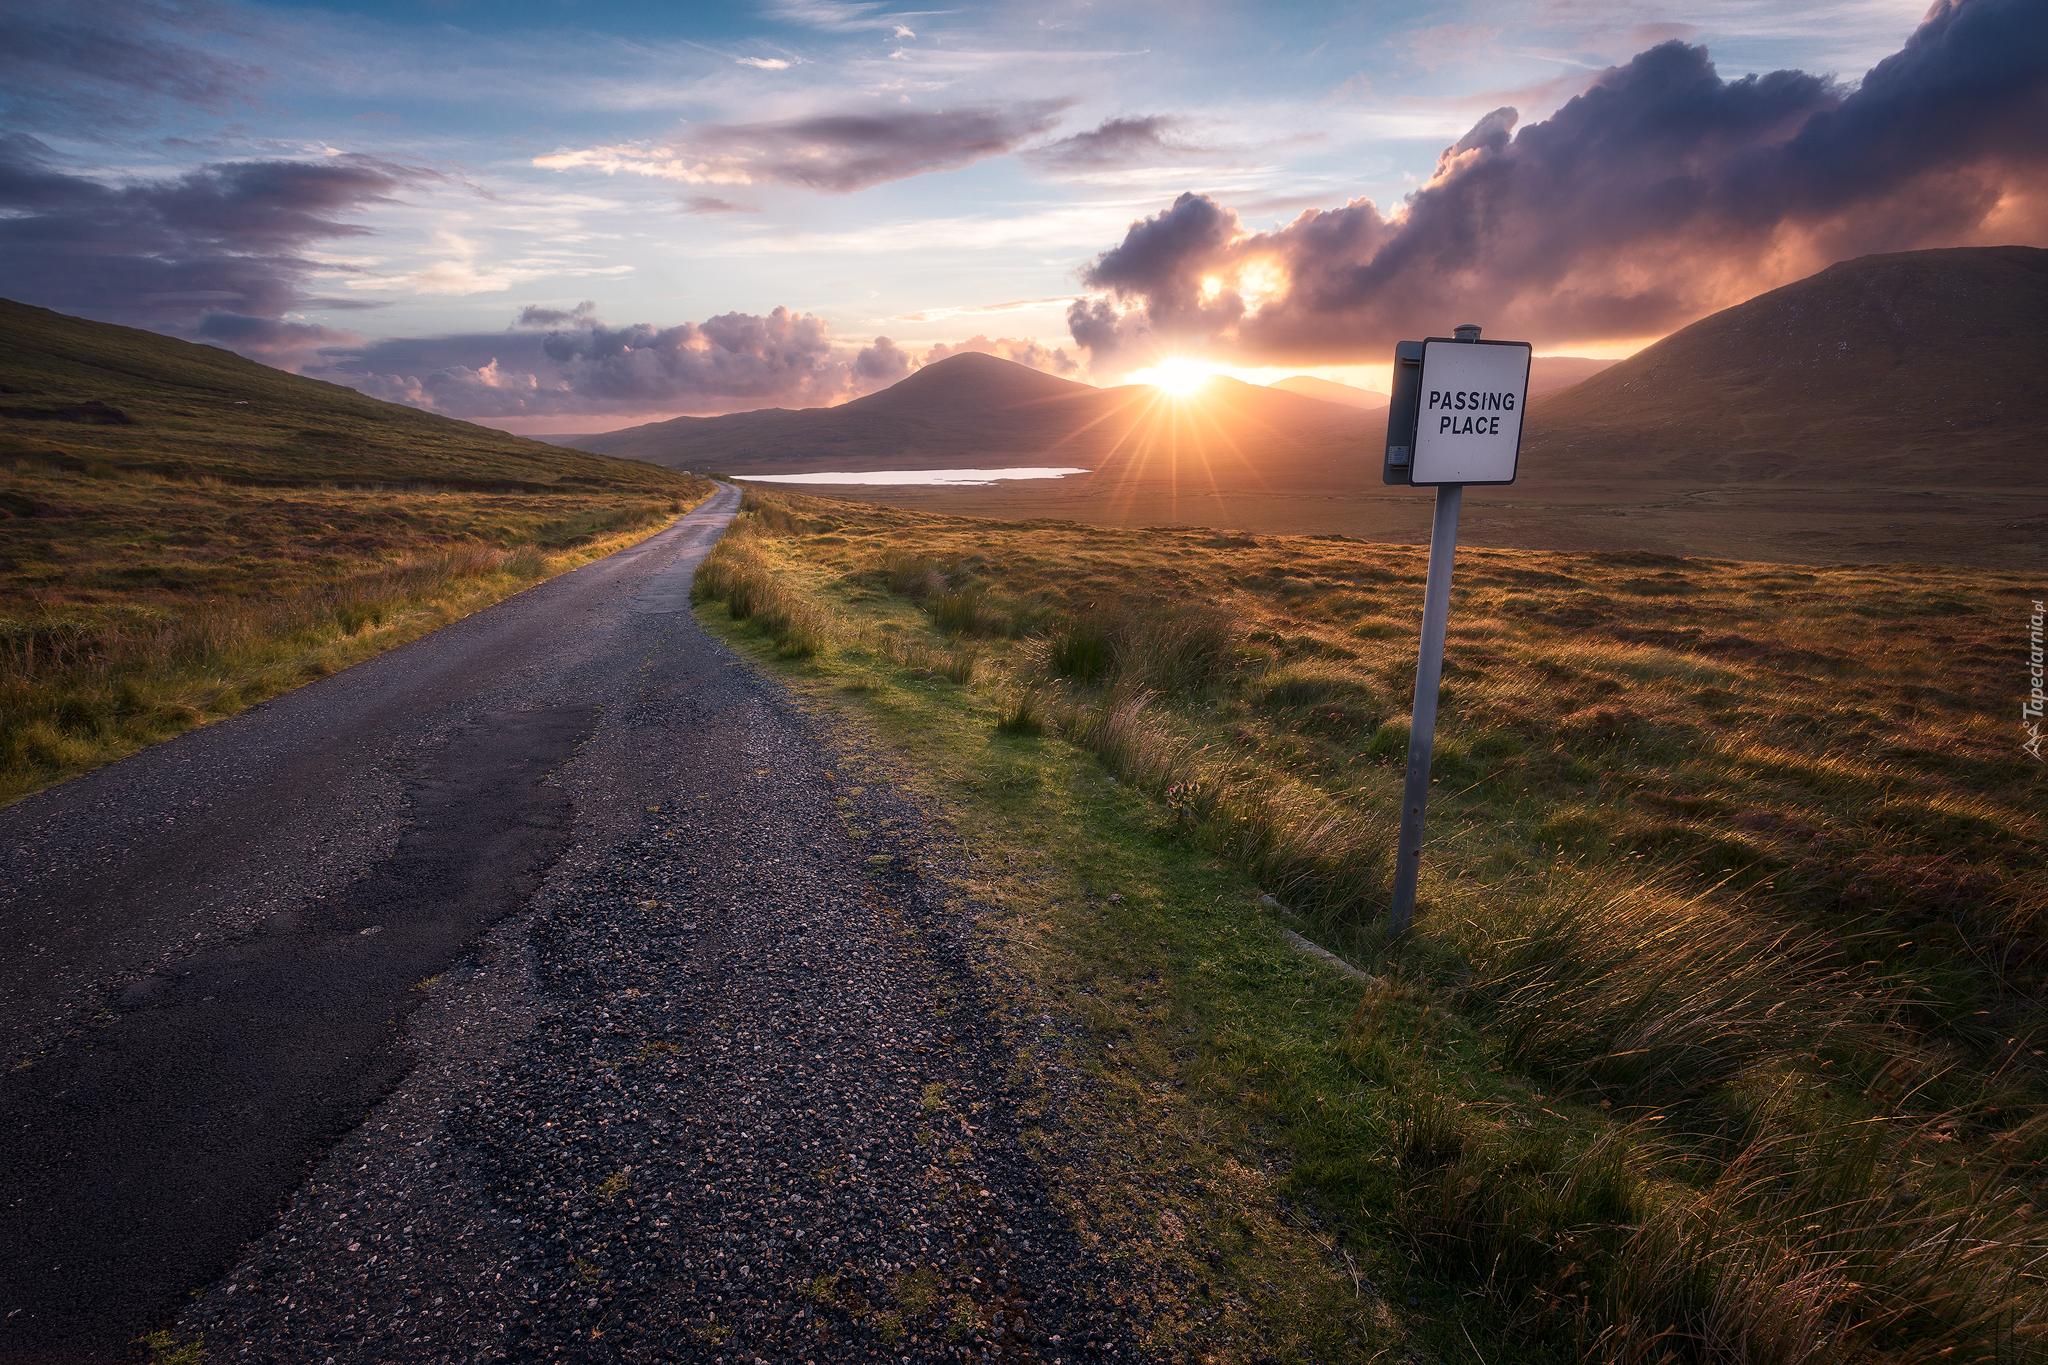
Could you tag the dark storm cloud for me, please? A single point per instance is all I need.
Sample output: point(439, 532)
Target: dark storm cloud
point(1118, 142)
point(93, 65)
point(582, 366)
point(533, 315)
point(835, 153)
point(1661, 193)
point(227, 239)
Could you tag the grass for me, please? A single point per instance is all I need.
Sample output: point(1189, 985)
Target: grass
point(1719, 1036)
point(184, 532)
point(91, 396)
point(134, 607)
point(165, 1349)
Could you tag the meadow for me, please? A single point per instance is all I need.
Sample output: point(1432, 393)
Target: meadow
point(1719, 1035)
point(134, 606)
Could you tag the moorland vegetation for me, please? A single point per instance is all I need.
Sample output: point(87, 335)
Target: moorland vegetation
point(184, 532)
point(1720, 1033)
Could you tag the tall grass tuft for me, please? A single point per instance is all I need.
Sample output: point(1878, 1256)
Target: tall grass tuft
point(1814, 1244)
point(1023, 711)
point(1174, 652)
point(1808, 1229)
point(1329, 861)
point(736, 573)
point(1638, 986)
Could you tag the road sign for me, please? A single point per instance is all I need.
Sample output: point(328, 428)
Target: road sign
point(1469, 402)
point(1456, 418)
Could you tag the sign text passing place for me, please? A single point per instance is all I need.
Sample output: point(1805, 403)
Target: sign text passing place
point(1468, 410)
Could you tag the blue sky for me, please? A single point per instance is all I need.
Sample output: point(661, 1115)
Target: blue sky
point(928, 175)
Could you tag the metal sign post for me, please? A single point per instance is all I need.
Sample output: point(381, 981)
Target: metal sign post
point(1456, 419)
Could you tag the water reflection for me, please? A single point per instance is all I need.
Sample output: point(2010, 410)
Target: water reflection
point(946, 478)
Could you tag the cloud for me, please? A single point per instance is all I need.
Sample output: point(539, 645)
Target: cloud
point(455, 264)
point(569, 362)
point(1023, 350)
point(764, 63)
point(833, 16)
point(556, 362)
point(1014, 305)
point(274, 341)
point(583, 314)
point(92, 66)
point(228, 240)
point(711, 203)
point(1661, 193)
point(834, 153)
point(1118, 142)
point(883, 363)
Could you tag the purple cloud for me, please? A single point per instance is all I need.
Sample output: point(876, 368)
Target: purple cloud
point(91, 66)
point(834, 153)
point(226, 241)
point(1661, 193)
point(1023, 350)
point(711, 203)
point(580, 366)
point(1117, 142)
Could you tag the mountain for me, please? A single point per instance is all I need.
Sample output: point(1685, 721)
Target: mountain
point(72, 390)
point(1308, 386)
point(1886, 409)
point(1548, 373)
point(978, 411)
point(1922, 368)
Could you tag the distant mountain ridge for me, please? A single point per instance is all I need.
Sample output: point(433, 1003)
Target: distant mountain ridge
point(976, 410)
point(1308, 386)
point(1918, 368)
point(1549, 373)
point(1915, 369)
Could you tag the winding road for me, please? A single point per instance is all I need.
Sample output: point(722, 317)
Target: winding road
point(657, 1057)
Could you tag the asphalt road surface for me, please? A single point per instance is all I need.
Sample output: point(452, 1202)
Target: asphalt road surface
point(564, 900)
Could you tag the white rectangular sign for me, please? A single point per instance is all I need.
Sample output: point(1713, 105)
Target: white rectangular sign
point(1468, 426)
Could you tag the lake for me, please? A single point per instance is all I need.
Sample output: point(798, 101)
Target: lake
point(944, 478)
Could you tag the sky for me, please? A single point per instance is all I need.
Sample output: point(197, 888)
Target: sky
point(566, 215)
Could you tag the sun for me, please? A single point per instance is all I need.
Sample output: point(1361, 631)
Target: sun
point(1177, 375)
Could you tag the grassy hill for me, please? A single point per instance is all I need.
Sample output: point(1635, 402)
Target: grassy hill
point(73, 391)
point(184, 532)
point(1308, 386)
point(1920, 368)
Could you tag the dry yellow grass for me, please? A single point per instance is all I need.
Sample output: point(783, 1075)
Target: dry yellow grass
point(133, 607)
point(1720, 1035)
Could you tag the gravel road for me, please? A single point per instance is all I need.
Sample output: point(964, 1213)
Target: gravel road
point(542, 990)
